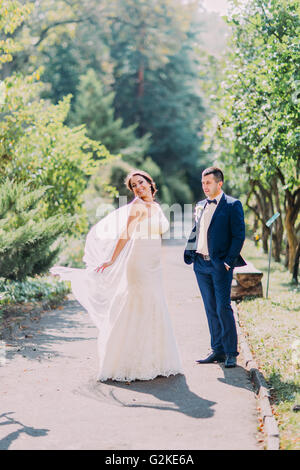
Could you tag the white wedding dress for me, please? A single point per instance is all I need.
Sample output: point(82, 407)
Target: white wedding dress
point(126, 302)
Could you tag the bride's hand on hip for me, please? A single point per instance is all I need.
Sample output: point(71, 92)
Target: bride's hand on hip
point(103, 266)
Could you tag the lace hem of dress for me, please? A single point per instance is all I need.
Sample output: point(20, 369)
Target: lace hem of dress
point(144, 377)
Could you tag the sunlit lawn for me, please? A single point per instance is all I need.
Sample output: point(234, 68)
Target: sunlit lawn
point(272, 328)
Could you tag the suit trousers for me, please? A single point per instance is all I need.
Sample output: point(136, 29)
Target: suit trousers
point(215, 286)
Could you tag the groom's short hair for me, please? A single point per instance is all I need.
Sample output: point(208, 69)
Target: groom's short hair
point(214, 170)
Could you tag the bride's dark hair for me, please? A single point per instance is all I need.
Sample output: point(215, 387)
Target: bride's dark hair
point(144, 175)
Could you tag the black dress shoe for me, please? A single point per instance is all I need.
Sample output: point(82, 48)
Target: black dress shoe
point(230, 361)
point(213, 357)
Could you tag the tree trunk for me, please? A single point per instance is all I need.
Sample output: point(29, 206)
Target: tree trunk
point(292, 237)
point(296, 265)
point(263, 203)
point(265, 237)
point(278, 232)
point(286, 260)
point(291, 213)
point(254, 209)
point(141, 81)
point(141, 61)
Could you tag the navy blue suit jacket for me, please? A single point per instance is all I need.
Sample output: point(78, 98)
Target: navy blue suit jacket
point(225, 235)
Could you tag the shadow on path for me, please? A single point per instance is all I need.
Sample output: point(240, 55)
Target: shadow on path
point(173, 393)
point(236, 377)
point(37, 340)
point(6, 441)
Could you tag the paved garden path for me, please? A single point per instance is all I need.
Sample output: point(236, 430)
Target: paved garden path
point(50, 399)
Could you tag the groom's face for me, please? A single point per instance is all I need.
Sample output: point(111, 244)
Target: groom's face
point(211, 187)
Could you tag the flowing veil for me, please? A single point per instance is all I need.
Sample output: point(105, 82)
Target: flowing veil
point(97, 291)
point(126, 301)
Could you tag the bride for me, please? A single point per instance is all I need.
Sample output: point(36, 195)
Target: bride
point(121, 288)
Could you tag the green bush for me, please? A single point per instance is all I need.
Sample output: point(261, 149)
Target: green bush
point(33, 289)
point(26, 235)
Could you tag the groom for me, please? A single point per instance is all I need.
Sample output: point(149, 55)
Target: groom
point(214, 248)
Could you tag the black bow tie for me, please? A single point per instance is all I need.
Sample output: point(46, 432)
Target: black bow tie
point(210, 201)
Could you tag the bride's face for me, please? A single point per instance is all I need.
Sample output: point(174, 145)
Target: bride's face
point(141, 187)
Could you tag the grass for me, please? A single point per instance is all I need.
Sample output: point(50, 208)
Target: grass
point(272, 330)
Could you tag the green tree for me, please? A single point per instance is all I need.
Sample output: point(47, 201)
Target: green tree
point(62, 37)
point(12, 15)
point(36, 146)
point(258, 128)
point(26, 236)
point(94, 108)
point(143, 52)
point(157, 82)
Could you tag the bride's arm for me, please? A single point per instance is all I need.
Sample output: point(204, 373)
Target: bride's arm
point(136, 214)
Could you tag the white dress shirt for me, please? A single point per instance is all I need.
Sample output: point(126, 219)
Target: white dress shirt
point(205, 221)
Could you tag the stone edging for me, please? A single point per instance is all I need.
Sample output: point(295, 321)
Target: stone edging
point(270, 425)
